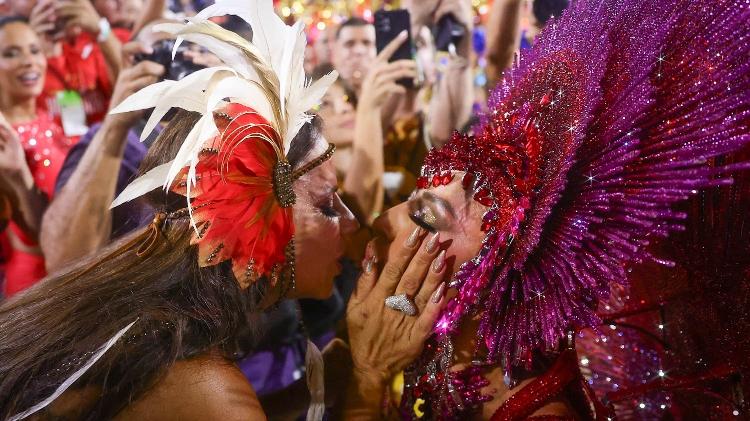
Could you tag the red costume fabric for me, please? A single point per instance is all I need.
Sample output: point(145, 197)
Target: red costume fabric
point(80, 67)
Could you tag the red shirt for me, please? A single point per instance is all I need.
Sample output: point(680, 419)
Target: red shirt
point(80, 67)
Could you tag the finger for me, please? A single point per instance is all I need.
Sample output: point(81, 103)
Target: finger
point(415, 273)
point(64, 9)
point(41, 6)
point(44, 27)
point(136, 47)
point(396, 74)
point(399, 256)
point(435, 276)
point(147, 67)
point(427, 318)
point(392, 46)
point(141, 82)
point(369, 275)
point(43, 15)
point(451, 8)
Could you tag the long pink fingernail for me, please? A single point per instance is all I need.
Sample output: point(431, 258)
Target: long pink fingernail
point(439, 263)
point(433, 243)
point(438, 294)
point(413, 239)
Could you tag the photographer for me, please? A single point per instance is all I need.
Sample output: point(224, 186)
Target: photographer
point(451, 101)
point(84, 55)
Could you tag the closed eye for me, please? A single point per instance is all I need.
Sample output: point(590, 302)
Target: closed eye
point(422, 223)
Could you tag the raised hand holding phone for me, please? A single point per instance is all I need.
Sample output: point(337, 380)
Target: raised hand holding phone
point(382, 80)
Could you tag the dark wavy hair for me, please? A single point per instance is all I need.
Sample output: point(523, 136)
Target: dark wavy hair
point(183, 310)
point(6, 20)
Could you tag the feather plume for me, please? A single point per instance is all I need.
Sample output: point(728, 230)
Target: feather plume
point(148, 182)
point(187, 94)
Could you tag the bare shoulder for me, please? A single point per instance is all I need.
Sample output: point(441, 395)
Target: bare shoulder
point(202, 388)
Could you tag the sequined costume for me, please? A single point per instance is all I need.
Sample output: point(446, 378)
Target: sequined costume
point(45, 146)
point(605, 125)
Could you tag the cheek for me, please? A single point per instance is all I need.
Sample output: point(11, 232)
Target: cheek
point(317, 240)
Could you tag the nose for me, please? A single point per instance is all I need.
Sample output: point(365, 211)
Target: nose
point(347, 222)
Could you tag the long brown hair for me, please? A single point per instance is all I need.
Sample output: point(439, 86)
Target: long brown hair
point(183, 310)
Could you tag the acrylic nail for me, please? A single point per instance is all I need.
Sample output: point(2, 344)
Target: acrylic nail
point(438, 294)
point(369, 265)
point(433, 243)
point(439, 263)
point(370, 250)
point(413, 239)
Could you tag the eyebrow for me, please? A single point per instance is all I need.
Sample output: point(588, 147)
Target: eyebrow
point(431, 197)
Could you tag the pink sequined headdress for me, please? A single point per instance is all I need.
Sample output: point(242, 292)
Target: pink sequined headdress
point(588, 142)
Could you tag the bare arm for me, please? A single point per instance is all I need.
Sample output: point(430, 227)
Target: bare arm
point(112, 52)
point(503, 35)
point(450, 107)
point(79, 220)
point(364, 180)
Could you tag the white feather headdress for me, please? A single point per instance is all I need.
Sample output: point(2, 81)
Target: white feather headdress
point(266, 74)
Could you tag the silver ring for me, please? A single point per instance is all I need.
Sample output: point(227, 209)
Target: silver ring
point(401, 303)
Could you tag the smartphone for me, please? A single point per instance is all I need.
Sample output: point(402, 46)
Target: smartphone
point(388, 24)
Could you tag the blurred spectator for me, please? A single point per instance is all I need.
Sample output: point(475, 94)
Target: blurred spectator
point(505, 34)
point(130, 12)
point(354, 51)
point(83, 60)
point(310, 60)
point(413, 119)
point(323, 46)
point(358, 132)
point(32, 150)
point(119, 13)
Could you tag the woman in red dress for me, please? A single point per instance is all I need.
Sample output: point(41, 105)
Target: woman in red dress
point(32, 150)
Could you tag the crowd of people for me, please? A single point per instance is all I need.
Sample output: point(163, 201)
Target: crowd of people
point(74, 137)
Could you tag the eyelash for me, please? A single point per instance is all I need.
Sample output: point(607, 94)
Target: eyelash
point(419, 221)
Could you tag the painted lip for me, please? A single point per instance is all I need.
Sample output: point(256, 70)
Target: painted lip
point(30, 78)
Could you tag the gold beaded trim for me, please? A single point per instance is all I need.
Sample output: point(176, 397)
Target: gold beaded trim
point(314, 163)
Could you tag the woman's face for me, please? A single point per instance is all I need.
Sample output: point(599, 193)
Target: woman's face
point(448, 210)
point(320, 220)
point(22, 62)
point(337, 113)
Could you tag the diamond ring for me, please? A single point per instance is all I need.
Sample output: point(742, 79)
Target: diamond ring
point(401, 303)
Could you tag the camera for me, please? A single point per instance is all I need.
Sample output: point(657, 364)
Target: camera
point(448, 31)
point(175, 69)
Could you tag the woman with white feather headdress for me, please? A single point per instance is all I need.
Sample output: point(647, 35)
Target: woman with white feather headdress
point(247, 215)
